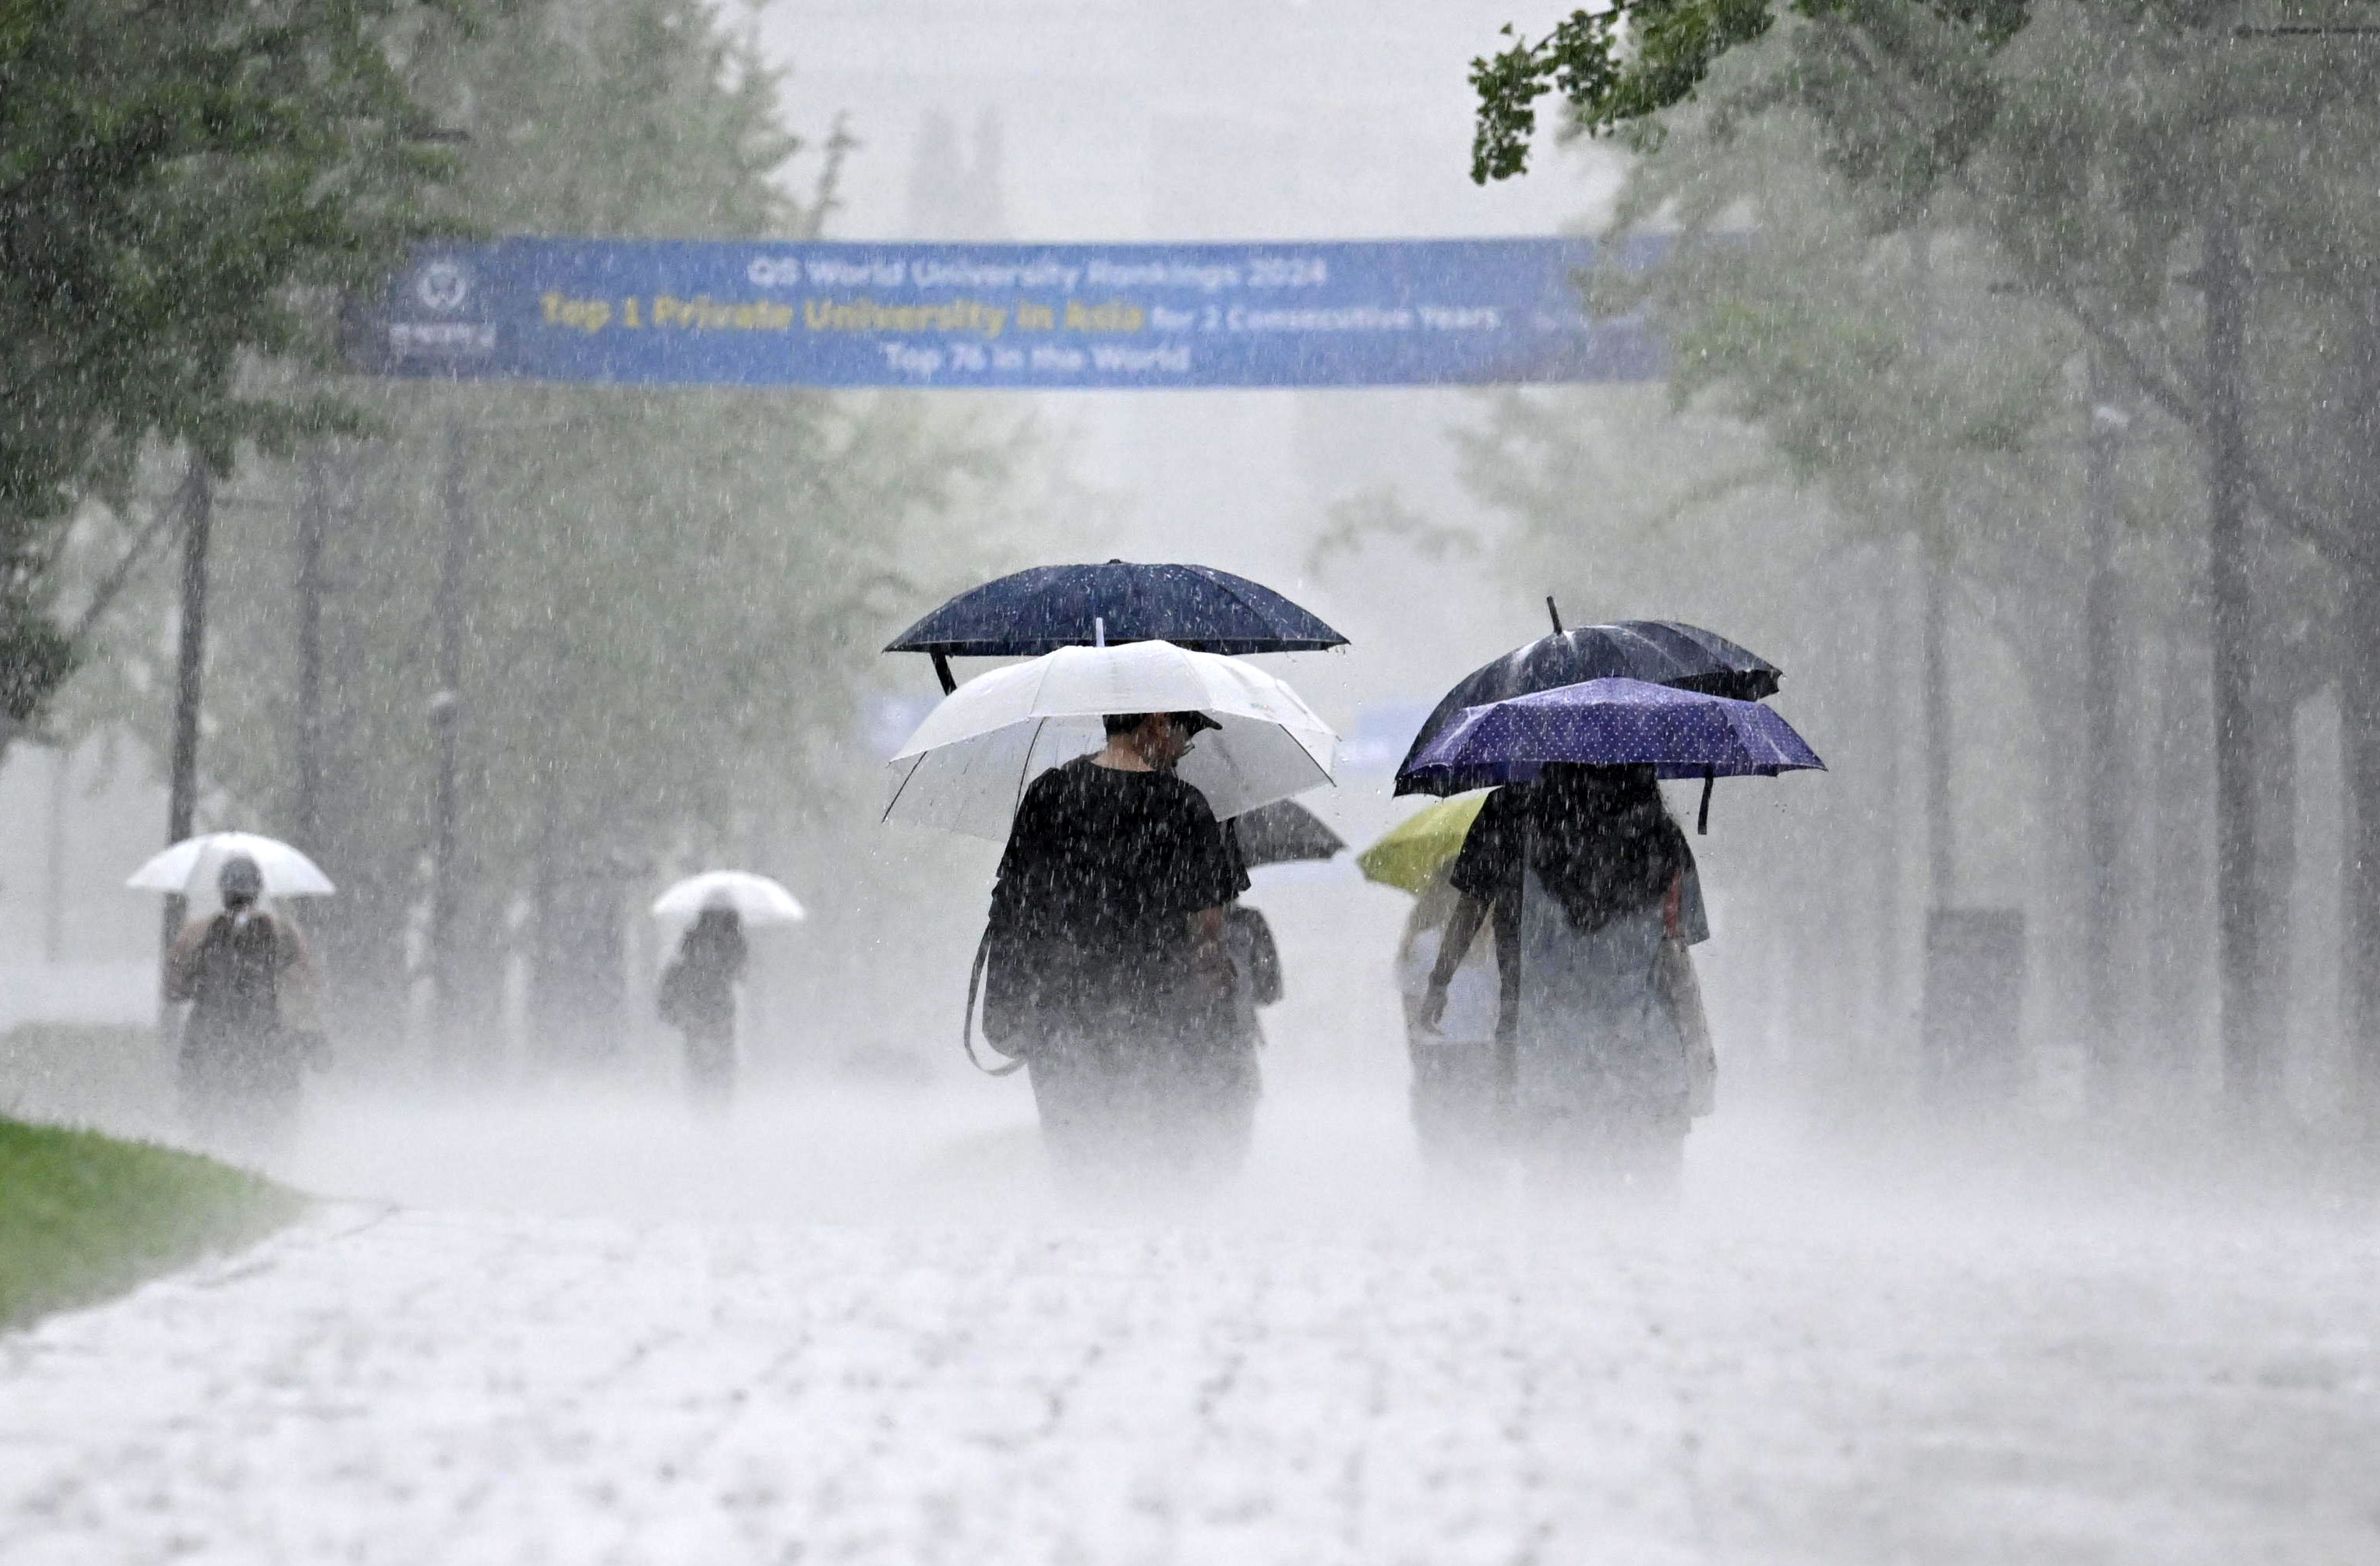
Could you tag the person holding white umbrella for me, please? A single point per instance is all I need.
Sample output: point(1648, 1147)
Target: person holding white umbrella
point(1106, 771)
point(697, 994)
point(191, 868)
point(255, 1018)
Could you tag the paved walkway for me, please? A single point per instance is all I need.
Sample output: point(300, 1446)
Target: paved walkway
point(567, 1344)
point(401, 1384)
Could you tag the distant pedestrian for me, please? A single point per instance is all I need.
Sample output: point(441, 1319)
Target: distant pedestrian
point(255, 1014)
point(1456, 1059)
point(1107, 966)
point(1601, 1028)
point(697, 997)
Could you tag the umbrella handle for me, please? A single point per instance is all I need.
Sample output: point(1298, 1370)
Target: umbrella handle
point(1702, 816)
point(942, 671)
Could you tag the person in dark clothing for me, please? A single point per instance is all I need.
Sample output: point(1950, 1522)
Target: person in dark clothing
point(1105, 967)
point(254, 1020)
point(697, 997)
point(1603, 1053)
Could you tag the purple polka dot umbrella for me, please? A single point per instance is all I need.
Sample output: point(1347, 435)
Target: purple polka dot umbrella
point(1681, 734)
point(1663, 652)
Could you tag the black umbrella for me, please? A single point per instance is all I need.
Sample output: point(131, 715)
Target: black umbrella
point(1664, 652)
point(1048, 607)
point(1283, 830)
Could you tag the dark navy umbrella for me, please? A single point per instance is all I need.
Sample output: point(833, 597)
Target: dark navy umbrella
point(1048, 607)
point(1664, 652)
point(1681, 734)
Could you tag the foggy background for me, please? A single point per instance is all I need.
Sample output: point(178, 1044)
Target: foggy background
point(1992, 1253)
point(1427, 526)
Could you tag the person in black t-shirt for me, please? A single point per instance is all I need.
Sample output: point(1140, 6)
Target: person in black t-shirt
point(1107, 970)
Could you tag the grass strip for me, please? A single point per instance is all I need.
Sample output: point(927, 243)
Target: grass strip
point(84, 1216)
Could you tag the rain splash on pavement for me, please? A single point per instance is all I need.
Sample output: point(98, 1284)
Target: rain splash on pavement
point(859, 1330)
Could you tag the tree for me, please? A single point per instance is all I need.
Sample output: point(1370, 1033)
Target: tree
point(180, 192)
point(1618, 68)
point(2136, 172)
point(667, 602)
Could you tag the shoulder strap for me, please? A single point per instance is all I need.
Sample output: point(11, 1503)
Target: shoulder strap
point(966, 1018)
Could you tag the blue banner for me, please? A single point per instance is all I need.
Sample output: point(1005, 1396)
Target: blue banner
point(686, 312)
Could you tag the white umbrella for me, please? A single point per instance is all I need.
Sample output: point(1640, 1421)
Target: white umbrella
point(758, 899)
point(191, 866)
point(966, 766)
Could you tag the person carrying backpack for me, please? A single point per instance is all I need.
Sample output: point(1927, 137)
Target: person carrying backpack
point(1606, 1051)
point(1105, 967)
point(254, 1022)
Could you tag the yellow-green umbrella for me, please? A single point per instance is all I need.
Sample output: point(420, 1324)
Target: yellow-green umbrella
point(1412, 853)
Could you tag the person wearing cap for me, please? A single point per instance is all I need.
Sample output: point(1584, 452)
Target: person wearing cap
point(1106, 966)
point(254, 1020)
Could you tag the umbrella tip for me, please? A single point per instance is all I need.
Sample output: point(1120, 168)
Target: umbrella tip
point(1554, 614)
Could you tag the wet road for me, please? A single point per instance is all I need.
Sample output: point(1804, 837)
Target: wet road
point(932, 1363)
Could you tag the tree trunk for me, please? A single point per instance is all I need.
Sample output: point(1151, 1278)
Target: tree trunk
point(2246, 1064)
point(2276, 779)
point(313, 523)
point(1941, 848)
point(2359, 701)
point(577, 999)
point(447, 872)
point(362, 816)
point(2359, 706)
point(579, 955)
point(2179, 964)
point(1934, 552)
point(189, 669)
point(54, 858)
point(1890, 674)
point(2106, 778)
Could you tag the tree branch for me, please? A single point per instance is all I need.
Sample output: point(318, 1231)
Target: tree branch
point(2172, 399)
point(824, 198)
point(168, 519)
